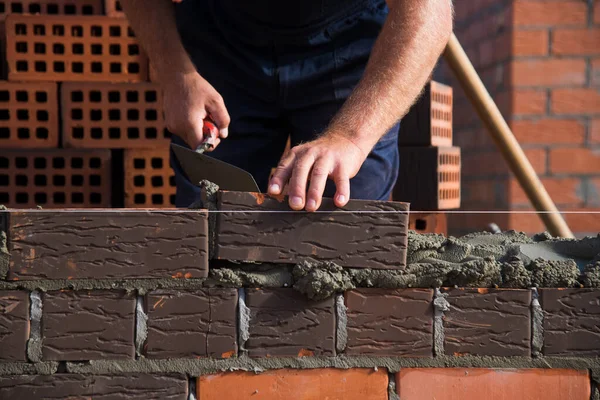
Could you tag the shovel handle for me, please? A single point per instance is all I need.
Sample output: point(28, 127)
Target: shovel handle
point(210, 134)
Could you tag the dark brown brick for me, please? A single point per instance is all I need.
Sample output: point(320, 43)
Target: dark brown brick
point(390, 322)
point(55, 178)
point(375, 237)
point(88, 325)
point(571, 322)
point(14, 325)
point(149, 179)
point(199, 323)
point(65, 48)
point(283, 322)
point(113, 387)
point(52, 7)
point(429, 178)
point(108, 244)
point(488, 322)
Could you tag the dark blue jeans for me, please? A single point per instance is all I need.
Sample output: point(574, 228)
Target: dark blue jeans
point(282, 83)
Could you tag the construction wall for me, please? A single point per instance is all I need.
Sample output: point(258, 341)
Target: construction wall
point(539, 60)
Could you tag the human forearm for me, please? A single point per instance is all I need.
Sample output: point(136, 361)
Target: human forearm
point(153, 22)
point(411, 41)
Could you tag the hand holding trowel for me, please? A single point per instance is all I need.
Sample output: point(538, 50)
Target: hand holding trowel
point(199, 166)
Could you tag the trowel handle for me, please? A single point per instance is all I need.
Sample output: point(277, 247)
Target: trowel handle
point(210, 133)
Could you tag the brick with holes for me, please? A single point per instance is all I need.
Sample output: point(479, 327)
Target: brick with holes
point(52, 7)
point(56, 178)
point(149, 180)
point(113, 8)
point(63, 48)
point(113, 115)
point(429, 178)
point(429, 121)
point(28, 115)
point(428, 223)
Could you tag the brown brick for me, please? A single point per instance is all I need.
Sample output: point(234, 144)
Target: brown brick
point(488, 322)
point(113, 8)
point(14, 325)
point(198, 323)
point(55, 178)
point(71, 386)
point(580, 41)
point(571, 322)
point(530, 42)
point(429, 178)
point(113, 115)
point(549, 131)
point(574, 160)
point(428, 223)
point(563, 191)
point(63, 48)
point(283, 322)
point(116, 244)
point(576, 101)
point(527, 102)
point(429, 121)
point(149, 179)
point(28, 115)
point(88, 325)
point(549, 13)
point(342, 237)
point(52, 7)
point(492, 384)
point(548, 72)
point(390, 322)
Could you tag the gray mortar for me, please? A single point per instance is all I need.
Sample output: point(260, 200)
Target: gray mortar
point(537, 325)
point(243, 321)
point(341, 331)
point(320, 280)
point(203, 366)
point(34, 344)
point(392, 394)
point(591, 275)
point(141, 326)
point(440, 304)
point(4, 255)
point(208, 200)
point(38, 368)
point(251, 275)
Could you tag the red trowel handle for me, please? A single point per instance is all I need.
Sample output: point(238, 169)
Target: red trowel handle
point(210, 133)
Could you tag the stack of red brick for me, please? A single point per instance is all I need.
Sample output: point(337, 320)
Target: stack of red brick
point(76, 110)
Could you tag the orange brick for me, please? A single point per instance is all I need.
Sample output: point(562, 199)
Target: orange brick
point(563, 191)
point(576, 41)
point(550, 13)
point(537, 158)
point(548, 72)
point(530, 43)
point(329, 383)
point(583, 221)
point(574, 161)
point(529, 102)
point(529, 222)
point(597, 12)
point(549, 131)
point(492, 384)
point(596, 70)
point(595, 131)
point(575, 101)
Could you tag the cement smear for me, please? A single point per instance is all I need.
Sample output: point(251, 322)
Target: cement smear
point(341, 328)
point(208, 200)
point(141, 325)
point(4, 255)
point(320, 280)
point(243, 321)
point(440, 304)
point(537, 325)
point(34, 344)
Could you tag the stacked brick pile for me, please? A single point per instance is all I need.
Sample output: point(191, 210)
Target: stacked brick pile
point(80, 126)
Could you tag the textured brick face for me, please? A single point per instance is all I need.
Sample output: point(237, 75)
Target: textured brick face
point(571, 322)
point(55, 178)
point(88, 325)
point(14, 325)
point(200, 323)
point(283, 322)
point(149, 179)
point(28, 115)
point(388, 322)
point(488, 322)
point(344, 238)
point(111, 244)
point(113, 115)
point(51, 7)
point(71, 386)
point(63, 48)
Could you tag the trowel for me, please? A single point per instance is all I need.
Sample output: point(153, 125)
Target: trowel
point(198, 166)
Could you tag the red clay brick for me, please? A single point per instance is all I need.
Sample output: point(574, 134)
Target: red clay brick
point(575, 161)
point(549, 13)
point(596, 71)
point(564, 191)
point(301, 384)
point(428, 223)
point(576, 101)
point(528, 102)
point(149, 179)
point(529, 222)
point(113, 115)
point(596, 12)
point(28, 115)
point(51, 7)
point(549, 131)
point(595, 130)
point(530, 42)
point(55, 178)
point(584, 41)
point(63, 48)
point(583, 221)
point(492, 384)
point(14, 325)
point(113, 8)
point(548, 72)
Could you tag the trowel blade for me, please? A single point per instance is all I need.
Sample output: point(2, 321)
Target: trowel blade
point(198, 167)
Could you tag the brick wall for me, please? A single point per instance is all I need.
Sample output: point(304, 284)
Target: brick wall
point(539, 60)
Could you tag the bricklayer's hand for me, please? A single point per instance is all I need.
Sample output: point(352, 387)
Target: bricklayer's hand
point(330, 156)
point(188, 99)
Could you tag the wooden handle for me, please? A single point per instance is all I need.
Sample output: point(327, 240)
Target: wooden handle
point(505, 140)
